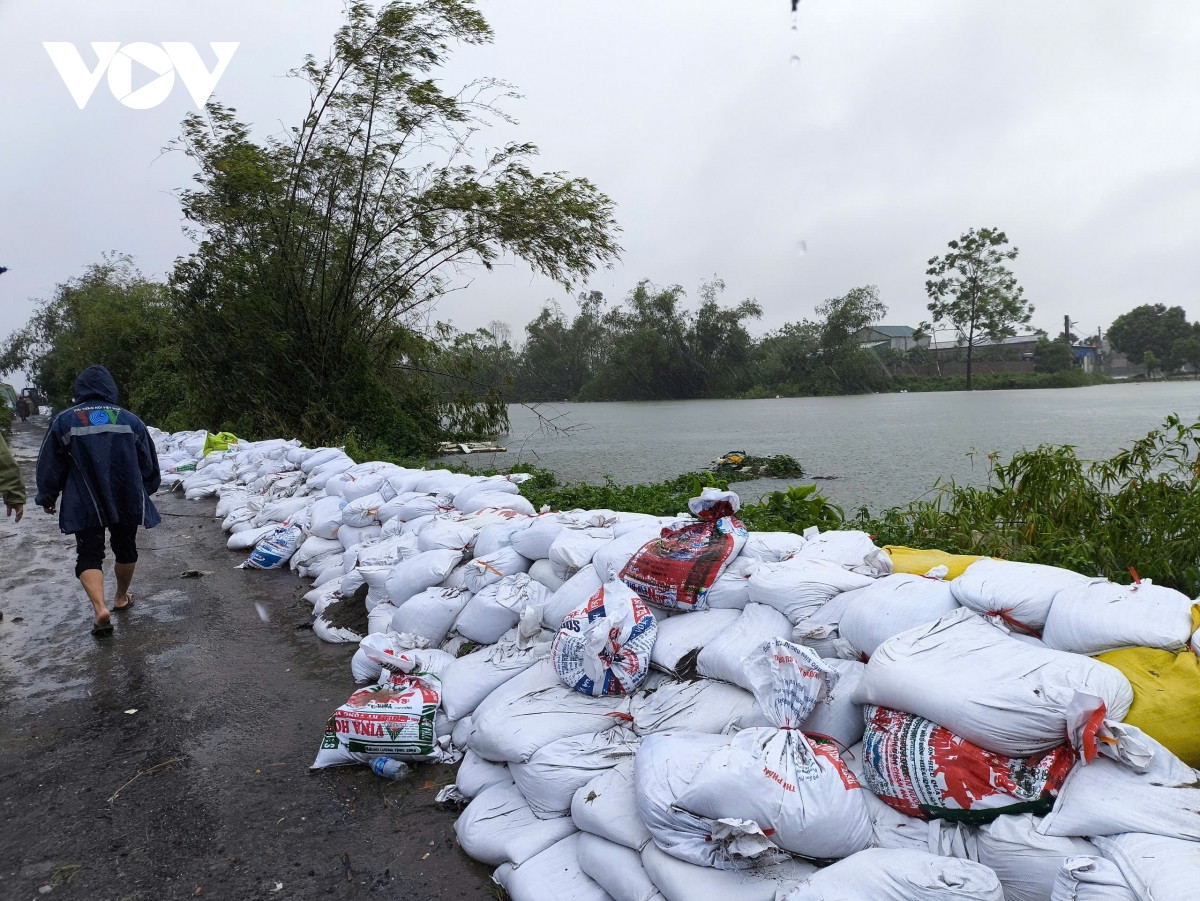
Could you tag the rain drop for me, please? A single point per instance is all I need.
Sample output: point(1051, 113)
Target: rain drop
point(803, 248)
point(795, 60)
point(262, 613)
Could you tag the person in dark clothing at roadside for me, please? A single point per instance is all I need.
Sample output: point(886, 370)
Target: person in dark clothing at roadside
point(101, 459)
point(23, 408)
point(12, 486)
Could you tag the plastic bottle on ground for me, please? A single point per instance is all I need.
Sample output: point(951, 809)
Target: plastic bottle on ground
point(396, 770)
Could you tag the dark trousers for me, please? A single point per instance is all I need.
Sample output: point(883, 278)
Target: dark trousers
point(89, 546)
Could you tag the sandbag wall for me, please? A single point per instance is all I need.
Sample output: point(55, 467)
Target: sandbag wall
point(821, 717)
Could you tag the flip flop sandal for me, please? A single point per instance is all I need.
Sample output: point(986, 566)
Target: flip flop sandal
point(102, 629)
point(126, 606)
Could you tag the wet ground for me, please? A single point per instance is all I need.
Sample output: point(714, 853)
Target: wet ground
point(170, 760)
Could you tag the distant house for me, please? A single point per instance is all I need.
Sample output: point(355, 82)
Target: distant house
point(898, 337)
point(1010, 347)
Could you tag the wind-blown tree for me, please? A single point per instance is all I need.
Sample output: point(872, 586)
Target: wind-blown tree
point(1150, 327)
point(559, 358)
point(847, 367)
point(114, 316)
point(972, 290)
point(321, 253)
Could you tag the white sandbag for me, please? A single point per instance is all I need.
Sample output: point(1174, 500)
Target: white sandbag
point(552, 775)
point(1001, 694)
point(1018, 593)
point(396, 653)
point(380, 552)
point(498, 827)
point(415, 508)
point(891, 605)
point(681, 638)
point(535, 540)
point(543, 571)
point(822, 630)
point(457, 578)
point(616, 869)
point(1100, 616)
point(771, 547)
point(1091, 879)
point(443, 481)
point(724, 657)
point(679, 880)
point(511, 727)
point(777, 783)
point(893, 829)
point(319, 456)
point(445, 534)
point(845, 548)
point(363, 511)
point(352, 536)
point(701, 705)
point(379, 618)
point(357, 487)
point(552, 875)
point(496, 608)
point(413, 576)
point(488, 500)
point(1157, 868)
point(1106, 797)
point(491, 568)
point(799, 588)
point(430, 614)
point(574, 548)
point(607, 806)
point(496, 536)
point(836, 715)
point(461, 734)
point(315, 549)
point(325, 518)
point(281, 509)
point(246, 539)
point(881, 874)
point(604, 647)
point(573, 595)
point(1026, 862)
point(500, 484)
point(475, 774)
point(731, 590)
point(331, 573)
point(473, 677)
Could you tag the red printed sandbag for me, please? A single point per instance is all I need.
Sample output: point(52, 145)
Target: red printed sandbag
point(677, 569)
point(393, 719)
point(922, 770)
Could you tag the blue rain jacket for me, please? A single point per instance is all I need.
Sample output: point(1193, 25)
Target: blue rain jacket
point(100, 458)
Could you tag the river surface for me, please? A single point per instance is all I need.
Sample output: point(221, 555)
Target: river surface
point(880, 450)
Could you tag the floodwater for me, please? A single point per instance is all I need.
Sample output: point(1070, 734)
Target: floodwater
point(878, 450)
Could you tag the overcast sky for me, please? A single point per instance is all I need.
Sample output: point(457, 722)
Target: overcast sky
point(794, 163)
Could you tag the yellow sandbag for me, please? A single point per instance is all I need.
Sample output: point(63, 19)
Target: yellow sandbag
point(918, 562)
point(219, 442)
point(1166, 696)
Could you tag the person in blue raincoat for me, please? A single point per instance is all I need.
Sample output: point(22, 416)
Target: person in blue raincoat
point(101, 460)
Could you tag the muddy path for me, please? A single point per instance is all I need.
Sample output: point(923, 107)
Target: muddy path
point(171, 759)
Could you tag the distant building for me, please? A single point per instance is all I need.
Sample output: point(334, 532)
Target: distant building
point(1014, 347)
point(898, 337)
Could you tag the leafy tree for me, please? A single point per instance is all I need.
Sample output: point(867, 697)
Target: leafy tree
point(559, 358)
point(720, 343)
point(847, 366)
point(1150, 327)
point(972, 290)
point(785, 358)
point(1052, 356)
point(1151, 361)
point(1187, 349)
point(320, 253)
point(114, 316)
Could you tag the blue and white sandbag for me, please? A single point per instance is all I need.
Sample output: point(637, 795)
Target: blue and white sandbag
point(604, 647)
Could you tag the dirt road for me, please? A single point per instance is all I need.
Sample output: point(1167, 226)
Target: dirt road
point(171, 759)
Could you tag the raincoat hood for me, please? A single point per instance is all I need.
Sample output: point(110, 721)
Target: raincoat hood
point(95, 383)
